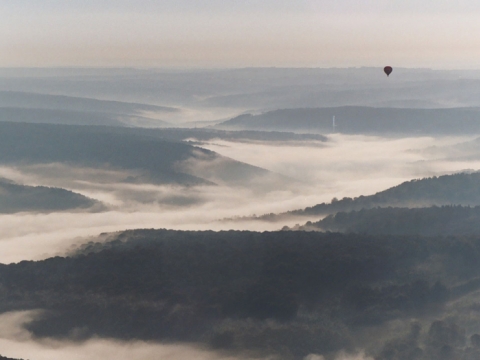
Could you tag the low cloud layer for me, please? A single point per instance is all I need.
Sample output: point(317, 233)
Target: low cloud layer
point(346, 166)
point(16, 342)
point(341, 356)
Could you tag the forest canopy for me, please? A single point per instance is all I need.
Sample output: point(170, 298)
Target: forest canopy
point(246, 291)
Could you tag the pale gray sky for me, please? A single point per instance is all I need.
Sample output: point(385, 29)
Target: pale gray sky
point(211, 33)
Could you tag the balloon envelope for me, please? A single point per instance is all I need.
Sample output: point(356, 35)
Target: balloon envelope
point(388, 70)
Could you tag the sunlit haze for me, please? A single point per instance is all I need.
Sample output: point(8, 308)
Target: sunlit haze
point(239, 179)
point(213, 33)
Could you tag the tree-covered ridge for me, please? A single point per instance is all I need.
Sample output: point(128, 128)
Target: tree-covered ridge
point(30, 100)
point(436, 220)
point(457, 189)
point(18, 198)
point(290, 293)
point(153, 159)
point(7, 358)
point(362, 120)
point(19, 106)
point(54, 116)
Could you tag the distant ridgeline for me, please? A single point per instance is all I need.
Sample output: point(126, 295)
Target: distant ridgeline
point(456, 189)
point(29, 107)
point(288, 294)
point(207, 134)
point(6, 358)
point(30, 100)
point(363, 120)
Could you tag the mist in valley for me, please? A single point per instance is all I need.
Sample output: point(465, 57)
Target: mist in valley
point(149, 147)
point(344, 166)
point(239, 180)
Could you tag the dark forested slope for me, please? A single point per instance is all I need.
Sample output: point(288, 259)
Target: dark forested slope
point(18, 198)
point(444, 220)
point(29, 100)
point(456, 189)
point(284, 293)
point(69, 117)
point(154, 159)
point(49, 116)
point(363, 120)
point(56, 109)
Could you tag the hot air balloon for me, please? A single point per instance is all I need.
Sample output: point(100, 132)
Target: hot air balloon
point(388, 70)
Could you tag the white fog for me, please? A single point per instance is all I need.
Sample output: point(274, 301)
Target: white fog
point(345, 166)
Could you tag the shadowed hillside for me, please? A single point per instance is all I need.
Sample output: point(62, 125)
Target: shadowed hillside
point(456, 189)
point(150, 159)
point(445, 220)
point(69, 117)
point(28, 100)
point(363, 120)
point(19, 198)
point(56, 109)
point(287, 294)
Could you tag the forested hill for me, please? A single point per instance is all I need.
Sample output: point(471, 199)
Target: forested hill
point(6, 358)
point(288, 294)
point(70, 117)
point(29, 100)
point(444, 220)
point(151, 159)
point(456, 189)
point(17, 106)
point(363, 120)
point(21, 198)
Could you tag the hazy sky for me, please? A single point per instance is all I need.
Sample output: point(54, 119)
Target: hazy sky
point(211, 33)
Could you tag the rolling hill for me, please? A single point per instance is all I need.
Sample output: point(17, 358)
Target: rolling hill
point(444, 220)
point(456, 189)
point(17, 106)
point(70, 117)
point(273, 294)
point(29, 100)
point(22, 198)
point(148, 158)
point(363, 120)
point(260, 89)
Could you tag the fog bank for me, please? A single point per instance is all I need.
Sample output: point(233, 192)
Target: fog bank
point(17, 342)
point(346, 166)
